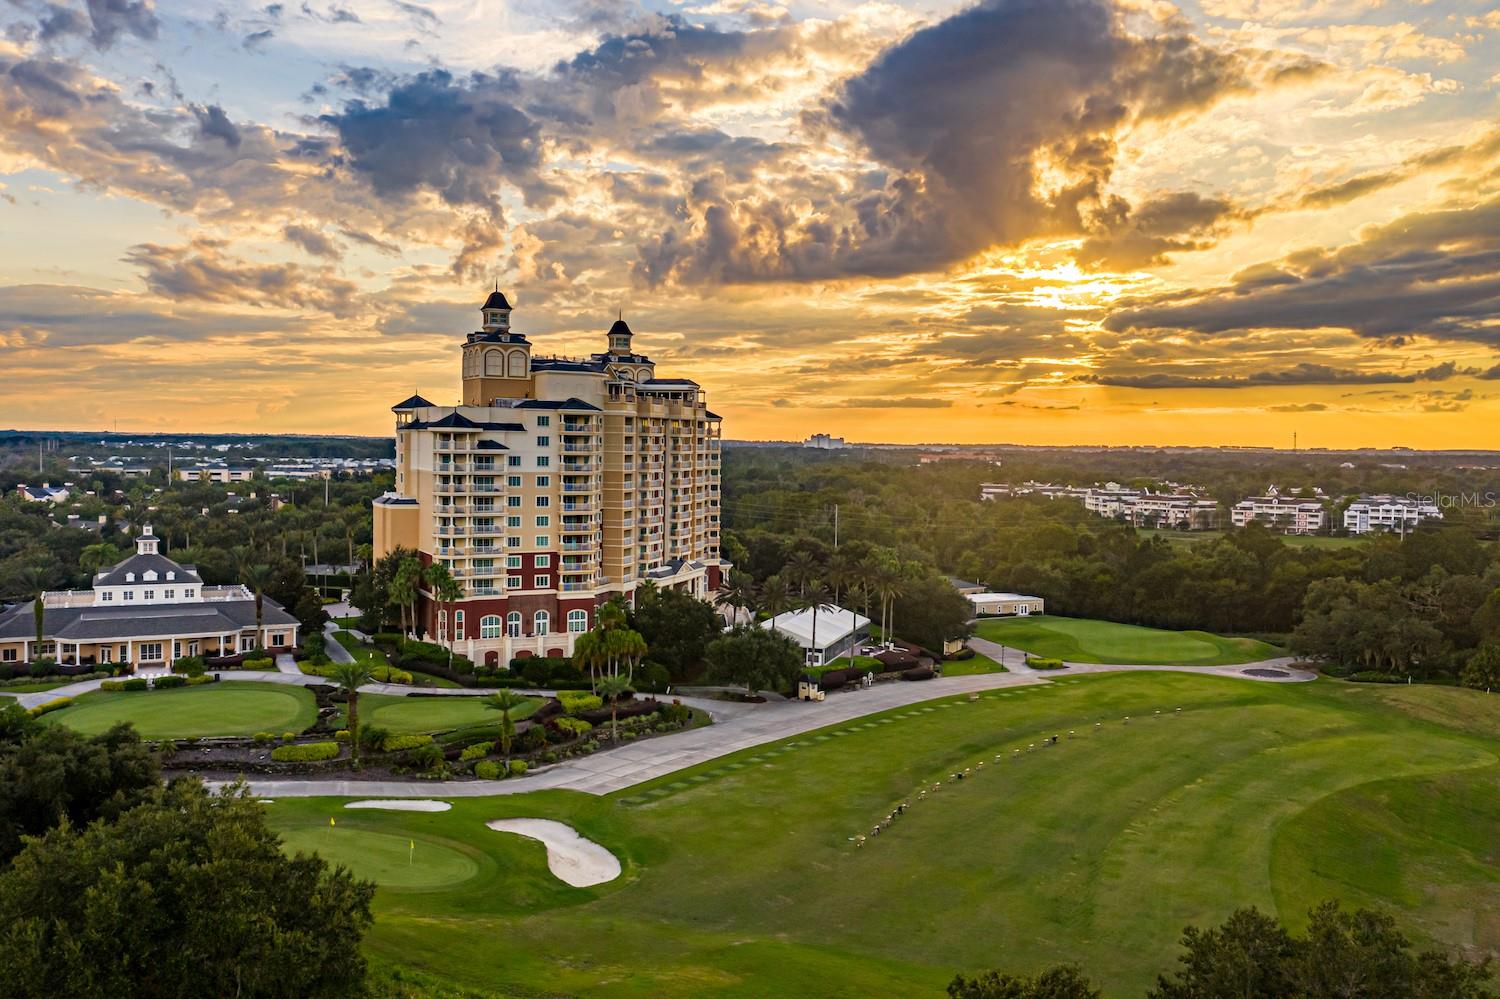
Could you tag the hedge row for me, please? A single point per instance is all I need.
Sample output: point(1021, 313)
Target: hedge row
point(400, 743)
point(305, 753)
point(494, 769)
point(56, 704)
point(1039, 662)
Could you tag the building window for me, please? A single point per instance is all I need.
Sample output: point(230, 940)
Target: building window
point(513, 624)
point(541, 623)
point(512, 521)
point(544, 421)
point(106, 596)
point(129, 594)
point(513, 542)
point(543, 481)
point(513, 561)
point(188, 594)
point(578, 621)
point(13, 655)
point(512, 501)
point(542, 461)
point(544, 442)
point(512, 461)
point(544, 522)
point(544, 501)
point(512, 582)
point(442, 625)
point(543, 540)
point(169, 594)
point(278, 640)
point(458, 625)
point(150, 652)
point(489, 626)
point(543, 561)
point(543, 582)
point(513, 481)
point(104, 653)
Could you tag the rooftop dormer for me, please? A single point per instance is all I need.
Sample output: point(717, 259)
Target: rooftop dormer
point(496, 312)
point(147, 543)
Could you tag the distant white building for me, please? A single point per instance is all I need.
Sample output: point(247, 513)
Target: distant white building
point(823, 442)
point(44, 493)
point(1293, 516)
point(1005, 604)
point(1370, 514)
point(839, 631)
point(1183, 510)
point(215, 473)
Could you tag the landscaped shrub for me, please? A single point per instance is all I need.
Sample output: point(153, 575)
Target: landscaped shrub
point(574, 726)
point(56, 704)
point(390, 674)
point(288, 736)
point(678, 714)
point(427, 757)
point(400, 743)
point(517, 768)
point(1038, 662)
point(196, 681)
point(487, 770)
point(136, 683)
point(260, 665)
point(112, 685)
point(373, 736)
point(918, 673)
point(1371, 676)
point(168, 682)
point(652, 678)
point(476, 752)
point(532, 739)
point(42, 667)
point(189, 666)
point(306, 752)
point(261, 738)
point(342, 735)
point(316, 668)
point(575, 702)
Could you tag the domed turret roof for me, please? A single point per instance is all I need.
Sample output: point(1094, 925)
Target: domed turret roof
point(620, 327)
point(496, 301)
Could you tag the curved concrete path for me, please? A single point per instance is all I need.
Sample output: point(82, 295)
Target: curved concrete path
point(1015, 662)
point(754, 725)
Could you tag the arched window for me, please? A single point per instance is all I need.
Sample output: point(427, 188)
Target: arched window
point(494, 362)
point(513, 624)
point(578, 620)
point(442, 623)
point(517, 364)
point(541, 623)
point(458, 625)
point(489, 626)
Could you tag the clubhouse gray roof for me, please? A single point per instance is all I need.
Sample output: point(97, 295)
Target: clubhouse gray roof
point(138, 565)
point(572, 403)
point(415, 402)
point(93, 624)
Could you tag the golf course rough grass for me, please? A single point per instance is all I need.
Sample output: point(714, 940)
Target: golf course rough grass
point(1081, 640)
point(407, 714)
point(225, 708)
point(740, 880)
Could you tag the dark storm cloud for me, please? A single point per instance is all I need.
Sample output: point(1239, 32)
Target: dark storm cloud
point(1431, 273)
point(201, 271)
point(1142, 236)
point(212, 121)
point(102, 22)
point(457, 138)
point(313, 241)
point(1301, 374)
point(963, 115)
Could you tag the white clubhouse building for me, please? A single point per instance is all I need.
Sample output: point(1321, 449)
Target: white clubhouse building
point(147, 611)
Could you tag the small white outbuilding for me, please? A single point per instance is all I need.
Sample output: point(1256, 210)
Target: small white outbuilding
point(1005, 604)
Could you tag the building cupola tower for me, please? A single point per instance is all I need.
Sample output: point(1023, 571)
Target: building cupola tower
point(496, 311)
point(619, 338)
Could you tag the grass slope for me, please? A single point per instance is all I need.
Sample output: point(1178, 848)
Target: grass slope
point(214, 709)
point(1086, 641)
point(433, 714)
point(739, 878)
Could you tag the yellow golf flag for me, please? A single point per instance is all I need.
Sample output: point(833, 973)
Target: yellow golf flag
point(411, 844)
point(330, 820)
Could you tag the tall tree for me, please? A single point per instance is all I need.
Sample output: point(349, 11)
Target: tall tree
point(612, 688)
point(505, 702)
point(447, 591)
point(350, 677)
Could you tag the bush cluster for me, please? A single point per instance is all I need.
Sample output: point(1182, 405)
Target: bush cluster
point(401, 743)
point(918, 673)
point(189, 666)
point(390, 674)
point(305, 753)
point(573, 726)
point(168, 682)
point(577, 702)
point(198, 681)
point(1040, 662)
point(478, 751)
point(260, 665)
point(1371, 676)
point(136, 683)
point(487, 770)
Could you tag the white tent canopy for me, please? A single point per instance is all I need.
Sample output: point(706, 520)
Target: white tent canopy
point(835, 626)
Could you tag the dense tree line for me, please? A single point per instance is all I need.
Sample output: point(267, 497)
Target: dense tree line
point(1429, 587)
point(1343, 955)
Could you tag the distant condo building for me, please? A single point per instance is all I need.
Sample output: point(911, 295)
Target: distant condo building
point(1184, 510)
point(214, 473)
point(823, 442)
point(1401, 514)
point(558, 484)
point(1280, 513)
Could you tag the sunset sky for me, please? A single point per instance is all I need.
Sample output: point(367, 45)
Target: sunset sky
point(1032, 221)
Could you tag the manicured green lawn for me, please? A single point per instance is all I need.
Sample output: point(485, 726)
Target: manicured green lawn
point(1084, 641)
point(225, 708)
point(33, 688)
point(977, 663)
point(366, 654)
point(740, 878)
point(432, 714)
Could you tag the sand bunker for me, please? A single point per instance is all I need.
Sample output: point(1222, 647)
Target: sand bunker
point(579, 862)
point(402, 804)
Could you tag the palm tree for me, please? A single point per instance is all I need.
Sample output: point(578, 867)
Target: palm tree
point(854, 596)
point(801, 569)
point(737, 594)
point(587, 651)
point(612, 688)
point(95, 557)
point(505, 701)
point(35, 578)
point(350, 677)
point(817, 597)
point(842, 573)
point(447, 591)
point(632, 650)
point(775, 597)
point(888, 584)
point(258, 576)
point(406, 585)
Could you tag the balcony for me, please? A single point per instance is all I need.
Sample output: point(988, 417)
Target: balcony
point(451, 531)
point(579, 487)
point(579, 466)
point(578, 506)
point(576, 546)
point(580, 448)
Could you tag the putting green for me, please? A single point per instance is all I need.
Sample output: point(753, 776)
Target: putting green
point(391, 860)
point(223, 708)
point(432, 714)
point(1084, 641)
point(740, 878)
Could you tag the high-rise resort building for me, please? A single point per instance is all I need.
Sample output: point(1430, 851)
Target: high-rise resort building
point(558, 484)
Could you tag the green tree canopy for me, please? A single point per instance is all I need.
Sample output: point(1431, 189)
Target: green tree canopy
point(759, 658)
